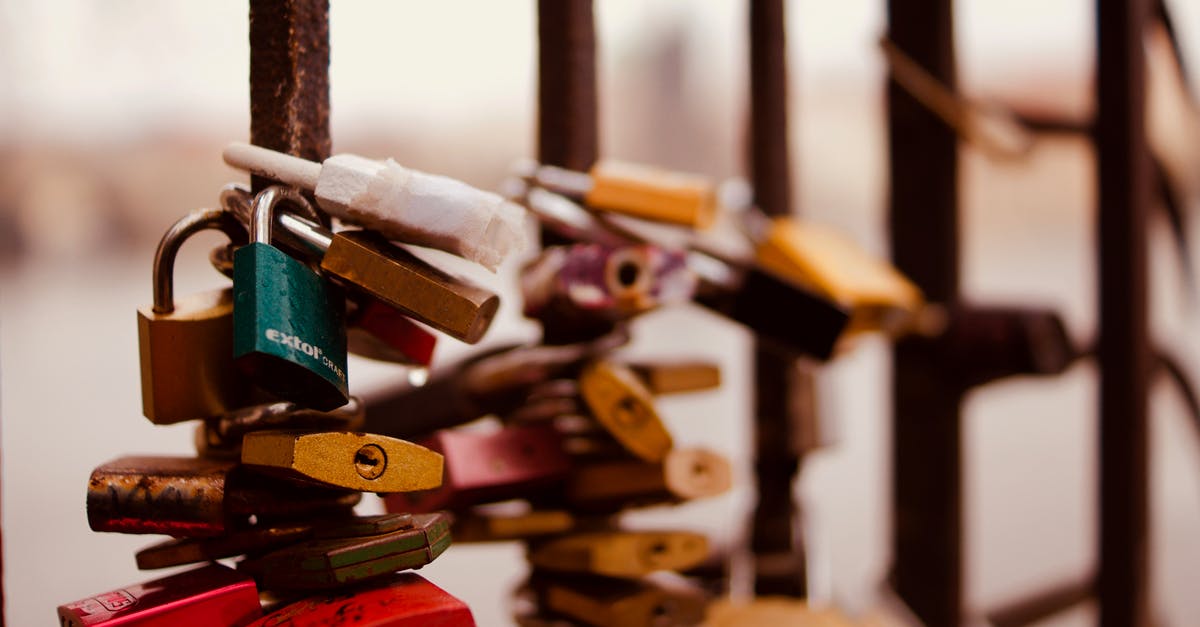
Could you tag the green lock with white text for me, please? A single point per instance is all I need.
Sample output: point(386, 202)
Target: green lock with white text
point(289, 322)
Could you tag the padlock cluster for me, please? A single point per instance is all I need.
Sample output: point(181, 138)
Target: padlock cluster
point(282, 457)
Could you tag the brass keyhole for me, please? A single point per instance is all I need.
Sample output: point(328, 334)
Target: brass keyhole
point(628, 412)
point(370, 461)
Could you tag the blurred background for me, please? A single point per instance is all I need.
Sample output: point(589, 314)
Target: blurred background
point(113, 116)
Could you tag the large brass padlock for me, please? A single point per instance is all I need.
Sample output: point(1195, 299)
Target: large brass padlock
point(289, 323)
point(185, 345)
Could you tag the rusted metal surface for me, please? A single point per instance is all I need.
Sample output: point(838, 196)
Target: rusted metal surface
point(567, 129)
point(926, 427)
point(289, 78)
point(1124, 187)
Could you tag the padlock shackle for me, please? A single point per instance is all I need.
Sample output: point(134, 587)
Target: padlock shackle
point(297, 232)
point(264, 208)
point(168, 247)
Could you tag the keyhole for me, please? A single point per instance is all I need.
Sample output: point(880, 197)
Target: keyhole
point(370, 461)
point(627, 412)
point(627, 273)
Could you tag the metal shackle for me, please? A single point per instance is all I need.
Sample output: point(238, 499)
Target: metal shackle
point(168, 247)
point(264, 208)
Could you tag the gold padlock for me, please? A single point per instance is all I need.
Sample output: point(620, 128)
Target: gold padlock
point(487, 527)
point(625, 554)
point(625, 408)
point(356, 461)
point(637, 190)
point(627, 603)
point(816, 256)
point(186, 345)
point(684, 474)
point(672, 377)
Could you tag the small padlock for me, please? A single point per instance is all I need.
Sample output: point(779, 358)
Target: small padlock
point(684, 474)
point(484, 526)
point(637, 190)
point(343, 459)
point(289, 323)
point(209, 595)
point(186, 362)
point(604, 602)
point(624, 554)
point(673, 377)
point(514, 462)
point(624, 407)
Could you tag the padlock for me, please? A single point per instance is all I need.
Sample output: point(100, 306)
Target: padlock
point(331, 563)
point(624, 407)
point(877, 296)
point(673, 377)
point(379, 331)
point(402, 600)
point(194, 497)
point(222, 437)
point(481, 526)
point(608, 602)
point(636, 190)
point(201, 597)
point(289, 323)
point(368, 263)
point(777, 610)
point(514, 462)
point(684, 474)
point(186, 360)
point(342, 459)
point(624, 554)
point(266, 537)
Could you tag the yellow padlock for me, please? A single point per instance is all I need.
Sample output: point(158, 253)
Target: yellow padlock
point(356, 461)
point(638, 191)
point(625, 554)
point(624, 407)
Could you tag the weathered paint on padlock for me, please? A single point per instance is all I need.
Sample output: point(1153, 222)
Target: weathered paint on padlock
point(402, 600)
point(210, 595)
point(355, 461)
point(195, 497)
point(489, 467)
point(625, 554)
point(184, 345)
point(332, 563)
point(289, 322)
point(621, 404)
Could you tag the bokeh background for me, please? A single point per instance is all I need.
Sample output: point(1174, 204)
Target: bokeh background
point(113, 115)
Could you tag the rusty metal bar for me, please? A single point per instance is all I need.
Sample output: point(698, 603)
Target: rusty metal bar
point(289, 78)
point(775, 540)
point(1046, 603)
point(1124, 187)
point(567, 127)
point(926, 425)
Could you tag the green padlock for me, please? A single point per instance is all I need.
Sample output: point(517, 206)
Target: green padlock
point(289, 323)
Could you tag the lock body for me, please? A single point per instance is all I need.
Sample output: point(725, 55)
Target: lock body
point(673, 377)
point(289, 328)
point(605, 602)
point(210, 595)
point(684, 474)
point(402, 600)
point(620, 402)
point(625, 554)
point(330, 563)
point(482, 468)
point(652, 194)
point(195, 497)
point(354, 461)
point(489, 527)
point(397, 277)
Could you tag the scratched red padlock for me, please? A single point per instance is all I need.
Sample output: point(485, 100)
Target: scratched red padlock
point(489, 467)
point(405, 600)
point(201, 597)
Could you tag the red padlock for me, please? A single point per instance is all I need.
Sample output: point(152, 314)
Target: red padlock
point(202, 597)
point(402, 601)
point(491, 467)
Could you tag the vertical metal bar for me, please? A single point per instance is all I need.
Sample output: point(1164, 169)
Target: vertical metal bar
point(777, 544)
point(567, 127)
point(289, 78)
point(926, 426)
point(1123, 183)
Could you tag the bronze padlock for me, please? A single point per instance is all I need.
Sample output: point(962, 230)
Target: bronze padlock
point(625, 554)
point(477, 526)
point(343, 459)
point(185, 345)
point(684, 474)
point(625, 408)
point(615, 602)
point(677, 376)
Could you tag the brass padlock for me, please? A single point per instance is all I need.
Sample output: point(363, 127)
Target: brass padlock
point(636, 190)
point(816, 256)
point(609, 602)
point(625, 554)
point(476, 526)
point(624, 407)
point(684, 474)
point(354, 461)
point(194, 497)
point(366, 261)
point(673, 377)
point(185, 345)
